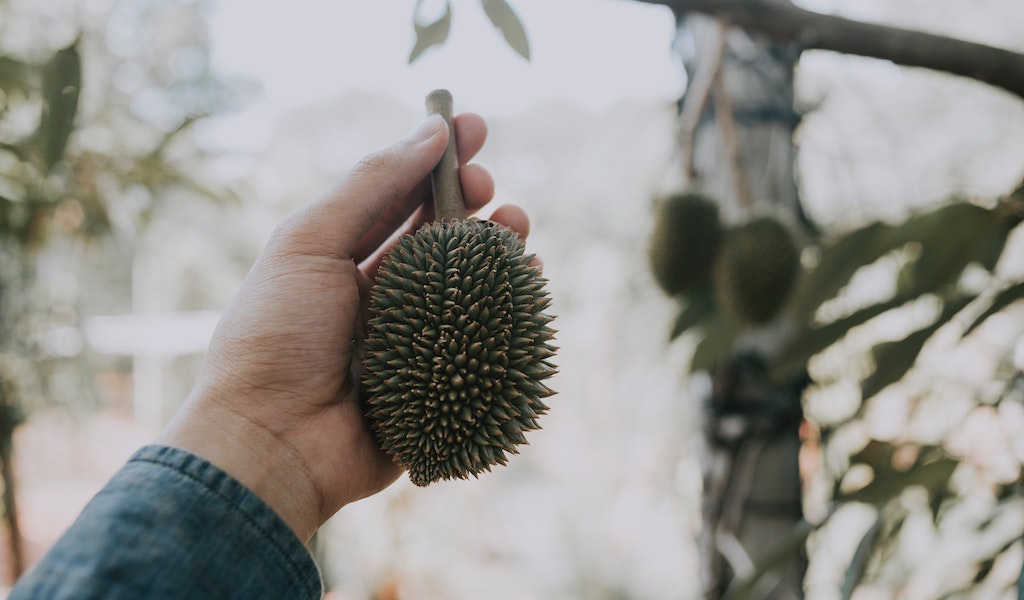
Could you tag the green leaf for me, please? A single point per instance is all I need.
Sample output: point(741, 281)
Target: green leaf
point(505, 19)
point(876, 454)
point(894, 359)
point(1004, 298)
point(431, 34)
point(62, 83)
point(14, 76)
point(953, 237)
point(776, 556)
point(1019, 191)
point(950, 237)
point(935, 503)
point(813, 340)
point(889, 484)
point(700, 306)
point(719, 334)
point(859, 562)
point(838, 262)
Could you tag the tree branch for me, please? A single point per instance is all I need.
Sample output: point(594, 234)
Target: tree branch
point(784, 22)
point(697, 93)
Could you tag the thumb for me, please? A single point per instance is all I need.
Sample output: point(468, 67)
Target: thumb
point(334, 222)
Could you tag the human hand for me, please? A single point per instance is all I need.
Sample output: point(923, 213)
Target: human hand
point(276, 402)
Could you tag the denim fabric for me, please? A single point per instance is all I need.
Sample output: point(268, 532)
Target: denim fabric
point(171, 525)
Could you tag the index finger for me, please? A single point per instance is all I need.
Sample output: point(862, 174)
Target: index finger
point(470, 134)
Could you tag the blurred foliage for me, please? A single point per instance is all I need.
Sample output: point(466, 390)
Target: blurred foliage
point(934, 280)
point(430, 34)
point(96, 138)
point(499, 13)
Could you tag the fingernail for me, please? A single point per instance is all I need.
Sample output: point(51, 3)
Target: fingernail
point(427, 129)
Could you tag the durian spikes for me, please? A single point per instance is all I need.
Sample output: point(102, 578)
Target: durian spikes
point(457, 341)
point(757, 269)
point(684, 242)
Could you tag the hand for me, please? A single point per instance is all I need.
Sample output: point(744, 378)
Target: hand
point(276, 402)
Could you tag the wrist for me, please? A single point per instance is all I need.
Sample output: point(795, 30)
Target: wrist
point(253, 455)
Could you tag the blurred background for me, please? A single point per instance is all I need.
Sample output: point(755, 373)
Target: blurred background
point(148, 147)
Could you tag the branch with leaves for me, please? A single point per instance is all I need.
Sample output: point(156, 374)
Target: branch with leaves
point(499, 12)
point(784, 22)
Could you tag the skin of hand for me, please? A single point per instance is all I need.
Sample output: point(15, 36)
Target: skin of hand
point(276, 402)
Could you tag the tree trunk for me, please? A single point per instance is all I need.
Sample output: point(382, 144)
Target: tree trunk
point(736, 125)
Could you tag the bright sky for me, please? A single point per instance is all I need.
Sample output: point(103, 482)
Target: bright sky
point(593, 53)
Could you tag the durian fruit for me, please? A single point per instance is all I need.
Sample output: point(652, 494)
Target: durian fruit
point(457, 343)
point(685, 239)
point(757, 269)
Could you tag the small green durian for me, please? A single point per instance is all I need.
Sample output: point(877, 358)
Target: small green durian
point(684, 242)
point(457, 345)
point(757, 269)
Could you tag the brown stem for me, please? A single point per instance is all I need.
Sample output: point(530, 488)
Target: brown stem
point(730, 145)
point(696, 99)
point(448, 202)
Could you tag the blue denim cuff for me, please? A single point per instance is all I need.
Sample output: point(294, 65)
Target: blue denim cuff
point(171, 525)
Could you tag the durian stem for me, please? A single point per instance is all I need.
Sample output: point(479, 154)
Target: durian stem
point(448, 202)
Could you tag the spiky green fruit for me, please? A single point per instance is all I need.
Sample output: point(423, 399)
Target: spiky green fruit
point(457, 349)
point(757, 269)
point(684, 242)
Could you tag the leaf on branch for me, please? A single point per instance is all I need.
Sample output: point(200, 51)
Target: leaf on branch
point(774, 557)
point(14, 76)
point(816, 339)
point(62, 84)
point(876, 454)
point(719, 334)
point(1004, 298)
point(700, 306)
point(431, 34)
point(859, 562)
point(936, 502)
point(953, 237)
point(1019, 191)
point(894, 359)
point(889, 484)
point(950, 237)
point(839, 262)
point(505, 19)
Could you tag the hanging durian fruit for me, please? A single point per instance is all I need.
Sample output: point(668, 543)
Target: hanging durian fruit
point(457, 343)
point(757, 269)
point(685, 239)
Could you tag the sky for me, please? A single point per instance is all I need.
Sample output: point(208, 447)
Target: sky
point(592, 53)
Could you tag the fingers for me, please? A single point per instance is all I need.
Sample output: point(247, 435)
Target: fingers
point(514, 218)
point(470, 135)
point(334, 223)
point(478, 188)
point(477, 191)
point(509, 215)
point(392, 219)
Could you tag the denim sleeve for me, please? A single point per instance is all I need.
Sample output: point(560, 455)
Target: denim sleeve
point(171, 525)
